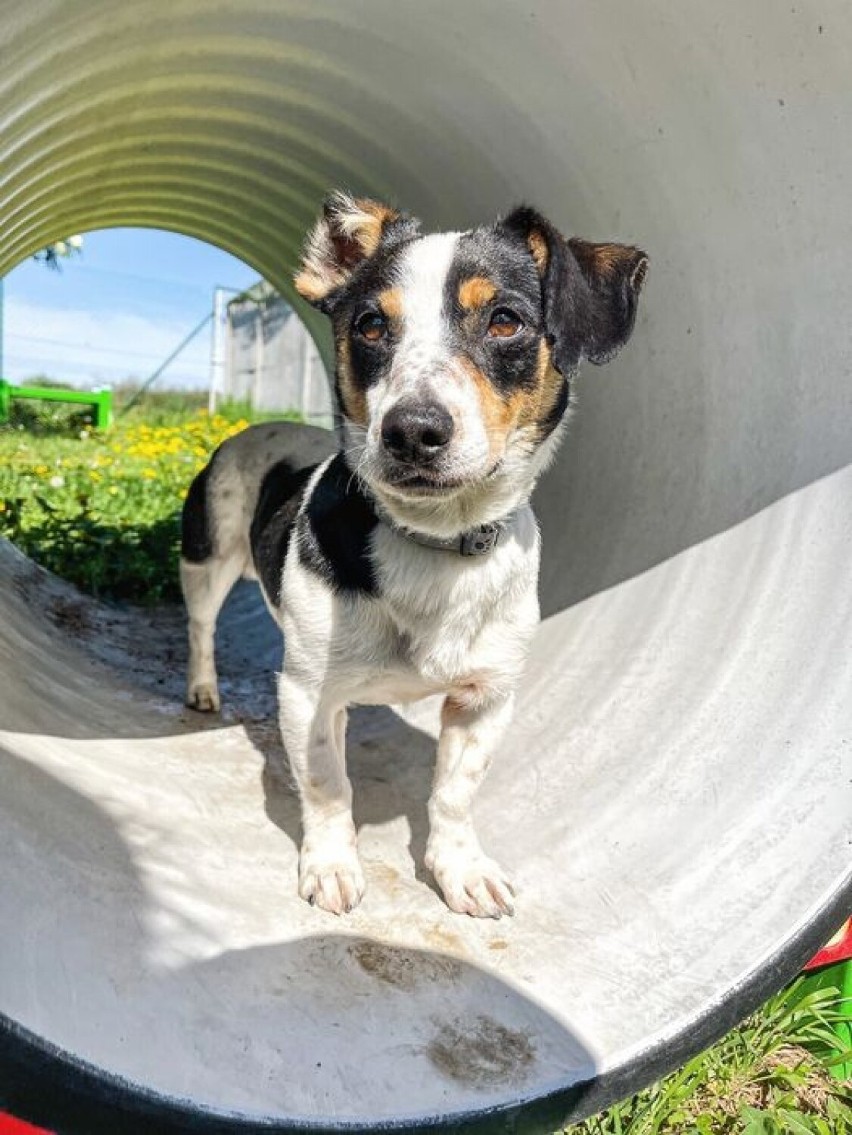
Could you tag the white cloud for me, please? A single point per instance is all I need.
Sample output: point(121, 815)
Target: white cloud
point(89, 349)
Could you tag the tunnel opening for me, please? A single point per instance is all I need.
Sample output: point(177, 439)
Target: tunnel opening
point(189, 345)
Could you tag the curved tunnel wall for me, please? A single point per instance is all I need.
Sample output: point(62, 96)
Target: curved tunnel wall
point(713, 138)
point(693, 679)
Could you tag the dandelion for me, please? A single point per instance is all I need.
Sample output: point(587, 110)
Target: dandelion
point(150, 473)
point(56, 482)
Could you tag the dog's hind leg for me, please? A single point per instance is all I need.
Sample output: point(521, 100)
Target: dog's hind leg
point(205, 588)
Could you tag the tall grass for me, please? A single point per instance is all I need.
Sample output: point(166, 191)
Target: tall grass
point(770, 1076)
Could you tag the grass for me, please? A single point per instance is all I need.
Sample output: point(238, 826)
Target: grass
point(769, 1076)
point(103, 509)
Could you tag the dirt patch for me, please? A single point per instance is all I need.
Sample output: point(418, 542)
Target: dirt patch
point(147, 647)
point(443, 939)
point(71, 616)
point(482, 1052)
point(401, 968)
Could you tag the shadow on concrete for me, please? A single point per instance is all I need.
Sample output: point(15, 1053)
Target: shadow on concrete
point(327, 1031)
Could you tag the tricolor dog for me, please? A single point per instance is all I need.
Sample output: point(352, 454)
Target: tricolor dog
point(404, 564)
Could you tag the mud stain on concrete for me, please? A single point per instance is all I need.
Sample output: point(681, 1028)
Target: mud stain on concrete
point(401, 968)
point(443, 939)
point(482, 1052)
point(383, 873)
point(70, 616)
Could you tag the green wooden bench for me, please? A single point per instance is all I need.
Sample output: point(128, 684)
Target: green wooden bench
point(100, 401)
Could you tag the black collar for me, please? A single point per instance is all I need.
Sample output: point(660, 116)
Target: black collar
point(478, 541)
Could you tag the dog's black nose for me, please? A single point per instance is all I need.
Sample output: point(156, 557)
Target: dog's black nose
point(416, 432)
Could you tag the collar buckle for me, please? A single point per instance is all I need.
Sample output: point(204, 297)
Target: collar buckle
point(480, 540)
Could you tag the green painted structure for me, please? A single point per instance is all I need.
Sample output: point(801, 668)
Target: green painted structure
point(99, 400)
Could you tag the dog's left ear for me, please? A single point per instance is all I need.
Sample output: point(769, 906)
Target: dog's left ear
point(350, 230)
point(590, 291)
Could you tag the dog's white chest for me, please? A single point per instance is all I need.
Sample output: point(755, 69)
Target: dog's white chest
point(420, 669)
point(443, 622)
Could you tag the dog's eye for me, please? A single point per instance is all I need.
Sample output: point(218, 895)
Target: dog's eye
point(373, 326)
point(504, 323)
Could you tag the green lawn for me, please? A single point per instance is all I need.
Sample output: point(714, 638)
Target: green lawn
point(770, 1076)
point(103, 511)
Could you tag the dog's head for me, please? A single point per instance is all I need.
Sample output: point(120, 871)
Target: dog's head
point(455, 350)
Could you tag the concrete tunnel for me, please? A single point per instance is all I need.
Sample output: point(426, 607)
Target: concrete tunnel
point(674, 796)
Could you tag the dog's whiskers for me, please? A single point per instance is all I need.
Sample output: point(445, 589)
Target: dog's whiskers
point(358, 454)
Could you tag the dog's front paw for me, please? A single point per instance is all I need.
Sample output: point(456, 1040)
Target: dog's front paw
point(203, 696)
point(472, 884)
point(331, 878)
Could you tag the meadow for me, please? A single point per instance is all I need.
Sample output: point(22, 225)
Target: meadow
point(102, 510)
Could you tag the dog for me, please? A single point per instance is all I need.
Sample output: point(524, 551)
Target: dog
point(402, 562)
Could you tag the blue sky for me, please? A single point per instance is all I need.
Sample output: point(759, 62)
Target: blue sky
point(117, 310)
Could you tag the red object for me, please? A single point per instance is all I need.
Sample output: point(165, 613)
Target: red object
point(11, 1126)
point(839, 949)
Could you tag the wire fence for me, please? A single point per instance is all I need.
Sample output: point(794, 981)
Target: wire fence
point(131, 331)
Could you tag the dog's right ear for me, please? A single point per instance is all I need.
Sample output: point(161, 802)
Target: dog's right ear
point(350, 230)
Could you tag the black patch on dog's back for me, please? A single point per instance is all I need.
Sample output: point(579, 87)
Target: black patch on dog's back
point(334, 531)
point(278, 503)
point(196, 543)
